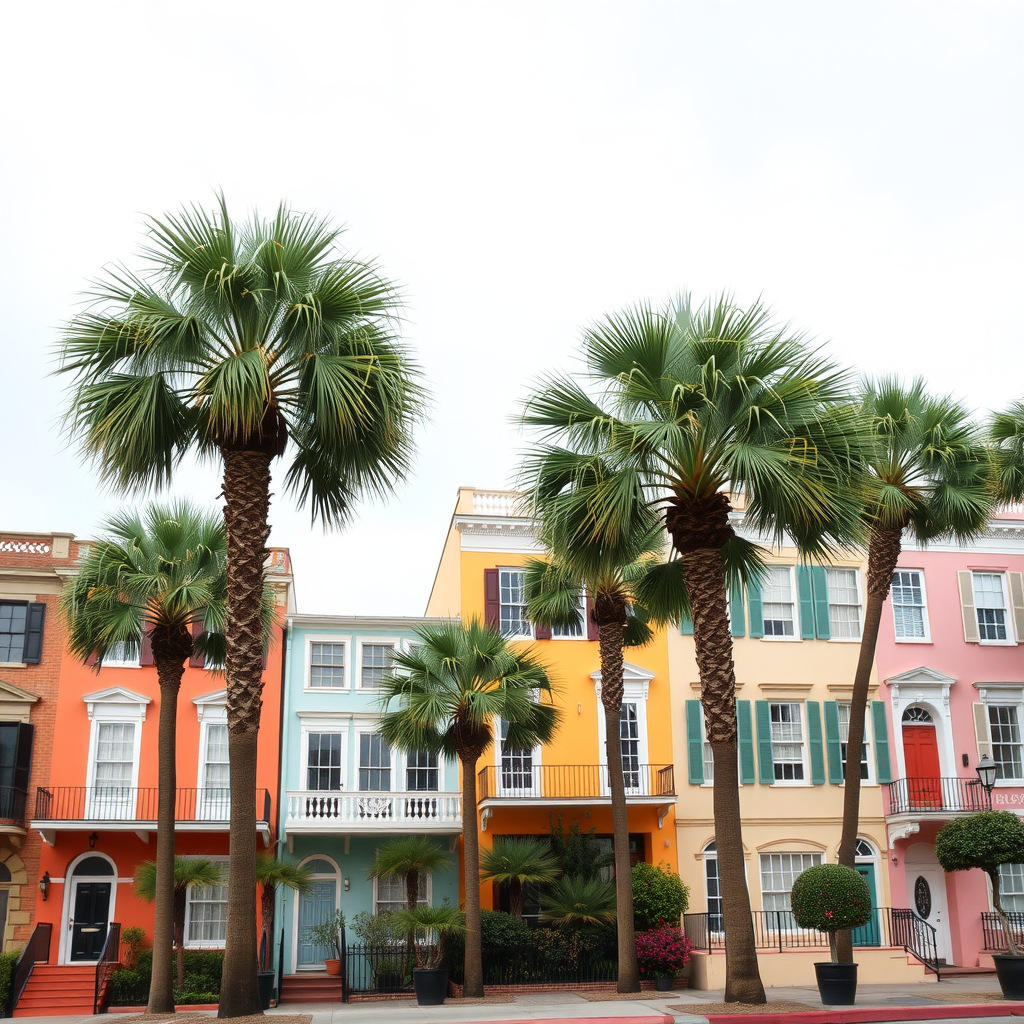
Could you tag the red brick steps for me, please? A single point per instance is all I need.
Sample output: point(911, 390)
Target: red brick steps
point(54, 991)
point(310, 987)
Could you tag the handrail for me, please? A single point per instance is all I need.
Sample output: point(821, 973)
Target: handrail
point(992, 929)
point(110, 957)
point(12, 804)
point(519, 778)
point(134, 804)
point(37, 950)
point(918, 938)
point(951, 794)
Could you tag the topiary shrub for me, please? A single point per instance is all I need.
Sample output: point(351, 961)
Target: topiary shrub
point(985, 841)
point(658, 895)
point(7, 962)
point(830, 898)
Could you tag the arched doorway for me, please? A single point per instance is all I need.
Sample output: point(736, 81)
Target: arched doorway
point(315, 905)
point(869, 934)
point(90, 902)
point(921, 757)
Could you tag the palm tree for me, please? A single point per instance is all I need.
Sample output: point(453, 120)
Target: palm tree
point(608, 573)
point(188, 871)
point(678, 410)
point(516, 861)
point(444, 697)
point(927, 475)
point(270, 873)
point(154, 576)
point(575, 900)
point(242, 342)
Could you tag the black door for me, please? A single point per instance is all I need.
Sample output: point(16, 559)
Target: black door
point(89, 928)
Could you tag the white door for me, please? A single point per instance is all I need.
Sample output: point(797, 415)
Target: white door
point(926, 892)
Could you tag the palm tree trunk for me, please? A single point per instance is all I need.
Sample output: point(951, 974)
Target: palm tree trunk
point(267, 906)
point(515, 899)
point(473, 971)
point(610, 646)
point(704, 575)
point(883, 553)
point(247, 496)
point(179, 932)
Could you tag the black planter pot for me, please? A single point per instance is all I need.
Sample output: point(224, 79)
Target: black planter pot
point(837, 983)
point(663, 982)
point(431, 985)
point(265, 985)
point(1010, 972)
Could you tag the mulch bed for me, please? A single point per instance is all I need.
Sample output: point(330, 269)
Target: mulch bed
point(705, 1009)
point(952, 996)
point(190, 1017)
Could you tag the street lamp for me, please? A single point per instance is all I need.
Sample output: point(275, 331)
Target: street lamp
point(987, 770)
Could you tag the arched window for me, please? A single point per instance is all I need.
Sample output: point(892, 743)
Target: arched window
point(917, 716)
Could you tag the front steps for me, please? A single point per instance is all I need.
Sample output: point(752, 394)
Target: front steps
point(310, 987)
point(58, 991)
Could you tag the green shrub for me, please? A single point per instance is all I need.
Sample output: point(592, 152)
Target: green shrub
point(7, 962)
point(132, 939)
point(658, 895)
point(499, 933)
point(578, 853)
point(830, 898)
point(203, 970)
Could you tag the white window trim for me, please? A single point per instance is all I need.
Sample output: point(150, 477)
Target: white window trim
point(782, 853)
point(189, 944)
point(1008, 610)
point(345, 641)
point(869, 742)
point(795, 604)
point(927, 638)
point(123, 663)
point(210, 710)
point(531, 635)
point(860, 604)
point(361, 642)
point(536, 755)
point(804, 748)
point(430, 891)
point(370, 730)
point(1003, 695)
point(636, 685)
point(119, 705)
point(582, 604)
point(332, 725)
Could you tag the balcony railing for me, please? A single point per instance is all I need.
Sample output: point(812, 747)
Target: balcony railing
point(571, 782)
point(992, 929)
point(952, 795)
point(413, 810)
point(129, 803)
point(12, 805)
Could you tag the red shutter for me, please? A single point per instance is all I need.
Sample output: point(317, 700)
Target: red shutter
point(146, 654)
point(90, 662)
point(542, 632)
point(197, 660)
point(592, 630)
point(492, 599)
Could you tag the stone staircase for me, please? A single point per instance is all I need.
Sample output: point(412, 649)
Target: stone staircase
point(310, 987)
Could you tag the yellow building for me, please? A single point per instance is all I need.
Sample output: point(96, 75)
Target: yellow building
point(523, 792)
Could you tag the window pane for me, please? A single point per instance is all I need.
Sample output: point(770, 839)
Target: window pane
point(576, 629)
point(787, 742)
point(13, 616)
point(843, 603)
point(208, 914)
point(327, 665)
point(1011, 886)
point(778, 872)
point(990, 605)
point(376, 664)
point(777, 602)
point(323, 753)
point(1006, 746)
point(513, 603)
point(374, 763)
point(421, 771)
point(908, 604)
point(844, 735)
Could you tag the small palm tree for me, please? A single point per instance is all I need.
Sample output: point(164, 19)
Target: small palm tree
point(156, 575)
point(270, 873)
point(245, 342)
point(188, 871)
point(445, 697)
point(516, 861)
point(574, 900)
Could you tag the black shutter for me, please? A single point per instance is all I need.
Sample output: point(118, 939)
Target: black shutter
point(23, 760)
point(34, 634)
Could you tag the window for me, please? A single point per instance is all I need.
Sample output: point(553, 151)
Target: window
point(778, 872)
point(575, 631)
point(777, 595)
point(990, 607)
point(629, 741)
point(844, 735)
point(709, 757)
point(326, 666)
point(908, 605)
point(1011, 887)
point(15, 763)
point(1004, 726)
point(391, 894)
point(421, 772)
point(843, 604)
point(516, 767)
point(206, 913)
point(375, 664)
point(787, 742)
point(216, 788)
point(374, 763)
point(21, 632)
point(323, 771)
point(512, 595)
point(113, 796)
point(121, 656)
point(713, 888)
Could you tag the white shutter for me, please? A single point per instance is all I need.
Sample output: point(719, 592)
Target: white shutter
point(970, 616)
point(1017, 601)
point(981, 730)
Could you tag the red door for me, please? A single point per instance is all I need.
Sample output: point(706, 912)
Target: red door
point(921, 751)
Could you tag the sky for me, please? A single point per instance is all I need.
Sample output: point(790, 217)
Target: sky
point(520, 169)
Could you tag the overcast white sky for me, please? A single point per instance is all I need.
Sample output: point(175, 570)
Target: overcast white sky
point(521, 168)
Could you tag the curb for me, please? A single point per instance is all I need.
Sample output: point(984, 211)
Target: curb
point(870, 1015)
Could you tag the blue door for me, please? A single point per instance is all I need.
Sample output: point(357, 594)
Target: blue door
point(869, 934)
point(315, 906)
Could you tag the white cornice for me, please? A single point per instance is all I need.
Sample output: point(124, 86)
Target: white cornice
point(359, 623)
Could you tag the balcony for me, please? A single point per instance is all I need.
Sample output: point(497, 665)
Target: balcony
point(12, 809)
point(936, 798)
point(130, 809)
point(376, 813)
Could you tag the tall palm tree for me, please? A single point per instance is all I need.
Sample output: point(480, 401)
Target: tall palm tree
point(154, 575)
point(245, 342)
point(444, 697)
point(188, 871)
point(608, 574)
point(677, 410)
point(517, 861)
point(928, 476)
point(270, 873)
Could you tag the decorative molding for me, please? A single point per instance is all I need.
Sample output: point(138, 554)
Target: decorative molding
point(780, 688)
point(902, 831)
point(130, 705)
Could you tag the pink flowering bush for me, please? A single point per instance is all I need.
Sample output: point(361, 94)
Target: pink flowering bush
point(830, 898)
point(662, 951)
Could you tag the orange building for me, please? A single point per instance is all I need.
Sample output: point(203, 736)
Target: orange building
point(523, 792)
point(96, 809)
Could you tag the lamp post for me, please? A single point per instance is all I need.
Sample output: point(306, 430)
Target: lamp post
point(987, 770)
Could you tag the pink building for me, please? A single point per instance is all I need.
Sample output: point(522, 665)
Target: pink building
point(951, 664)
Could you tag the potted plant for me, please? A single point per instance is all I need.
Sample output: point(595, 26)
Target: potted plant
point(985, 841)
point(430, 979)
point(831, 898)
point(662, 952)
point(328, 933)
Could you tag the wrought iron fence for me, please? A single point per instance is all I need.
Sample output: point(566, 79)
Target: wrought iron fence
point(12, 804)
point(380, 969)
point(992, 929)
point(937, 795)
point(131, 803)
point(37, 950)
point(571, 781)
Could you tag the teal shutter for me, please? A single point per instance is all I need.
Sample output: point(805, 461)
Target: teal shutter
point(881, 741)
point(756, 613)
point(686, 626)
point(745, 733)
point(765, 761)
point(695, 743)
point(819, 586)
point(803, 588)
point(737, 622)
point(835, 749)
point(817, 747)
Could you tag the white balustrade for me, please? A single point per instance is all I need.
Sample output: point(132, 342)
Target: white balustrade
point(497, 503)
point(326, 810)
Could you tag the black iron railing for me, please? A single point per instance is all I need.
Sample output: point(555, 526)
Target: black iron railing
point(966, 795)
point(992, 929)
point(916, 936)
point(110, 957)
point(130, 803)
point(36, 951)
point(12, 805)
point(518, 778)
